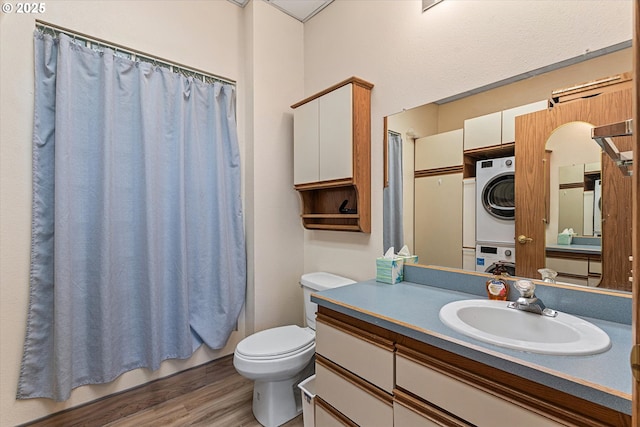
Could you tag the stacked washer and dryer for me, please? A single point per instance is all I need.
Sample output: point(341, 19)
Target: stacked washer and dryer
point(495, 214)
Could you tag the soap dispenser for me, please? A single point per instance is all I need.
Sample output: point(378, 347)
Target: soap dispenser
point(497, 286)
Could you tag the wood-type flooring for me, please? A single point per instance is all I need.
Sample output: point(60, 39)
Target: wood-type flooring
point(212, 395)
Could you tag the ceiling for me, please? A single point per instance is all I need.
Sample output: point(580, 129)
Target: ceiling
point(302, 10)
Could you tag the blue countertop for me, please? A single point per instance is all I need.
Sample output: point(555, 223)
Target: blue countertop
point(582, 249)
point(412, 309)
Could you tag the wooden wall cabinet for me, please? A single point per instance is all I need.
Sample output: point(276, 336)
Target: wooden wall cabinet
point(497, 128)
point(332, 157)
point(439, 151)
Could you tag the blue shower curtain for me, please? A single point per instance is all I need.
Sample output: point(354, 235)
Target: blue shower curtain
point(393, 231)
point(138, 250)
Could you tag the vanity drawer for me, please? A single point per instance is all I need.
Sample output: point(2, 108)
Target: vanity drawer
point(358, 400)
point(326, 416)
point(366, 355)
point(477, 406)
point(411, 412)
point(576, 267)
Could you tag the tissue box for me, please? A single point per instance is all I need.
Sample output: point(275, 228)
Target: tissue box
point(411, 259)
point(389, 270)
point(564, 239)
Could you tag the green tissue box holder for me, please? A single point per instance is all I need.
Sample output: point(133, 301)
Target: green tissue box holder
point(411, 259)
point(389, 270)
point(564, 239)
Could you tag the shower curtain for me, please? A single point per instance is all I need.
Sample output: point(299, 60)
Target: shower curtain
point(138, 250)
point(392, 234)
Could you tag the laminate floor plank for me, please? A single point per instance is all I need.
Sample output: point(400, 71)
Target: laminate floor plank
point(214, 395)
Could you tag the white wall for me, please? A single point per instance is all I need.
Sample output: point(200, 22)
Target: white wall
point(277, 75)
point(414, 58)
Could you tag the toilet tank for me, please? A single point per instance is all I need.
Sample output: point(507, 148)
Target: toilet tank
point(314, 282)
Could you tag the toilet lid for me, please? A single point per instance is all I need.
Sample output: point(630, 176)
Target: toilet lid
point(276, 342)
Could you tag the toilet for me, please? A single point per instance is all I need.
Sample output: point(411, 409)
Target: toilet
point(277, 359)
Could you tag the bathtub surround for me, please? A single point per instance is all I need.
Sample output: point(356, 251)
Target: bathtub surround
point(138, 251)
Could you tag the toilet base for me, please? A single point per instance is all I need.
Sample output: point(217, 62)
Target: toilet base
point(276, 402)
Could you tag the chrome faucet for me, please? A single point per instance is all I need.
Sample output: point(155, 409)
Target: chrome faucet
point(528, 300)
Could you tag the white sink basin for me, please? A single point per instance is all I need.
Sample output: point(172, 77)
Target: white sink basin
point(493, 322)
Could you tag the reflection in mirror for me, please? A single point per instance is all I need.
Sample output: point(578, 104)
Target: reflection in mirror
point(444, 116)
point(574, 198)
point(392, 194)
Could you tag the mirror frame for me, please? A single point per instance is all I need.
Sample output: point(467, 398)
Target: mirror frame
point(532, 132)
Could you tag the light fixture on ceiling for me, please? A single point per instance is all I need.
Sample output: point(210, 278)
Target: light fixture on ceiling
point(427, 4)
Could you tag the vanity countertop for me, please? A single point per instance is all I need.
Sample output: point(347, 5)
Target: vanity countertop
point(412, 309)
point(582, 249)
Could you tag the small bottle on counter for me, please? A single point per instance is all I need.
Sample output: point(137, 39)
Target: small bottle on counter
point(497, 286)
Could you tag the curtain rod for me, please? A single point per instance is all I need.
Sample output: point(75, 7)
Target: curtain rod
point(135, 54)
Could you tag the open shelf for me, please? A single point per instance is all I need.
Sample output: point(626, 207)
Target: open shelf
point(321, 207)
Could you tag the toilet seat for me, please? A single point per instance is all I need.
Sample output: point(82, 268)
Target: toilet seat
point(276, 343)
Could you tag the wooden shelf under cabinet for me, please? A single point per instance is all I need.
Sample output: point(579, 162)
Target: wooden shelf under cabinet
point(321, 203)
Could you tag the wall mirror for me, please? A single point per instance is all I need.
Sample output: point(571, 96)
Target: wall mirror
point(449, 115)
point(573, 204)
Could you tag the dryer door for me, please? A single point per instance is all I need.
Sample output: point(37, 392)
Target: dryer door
point(498, 196)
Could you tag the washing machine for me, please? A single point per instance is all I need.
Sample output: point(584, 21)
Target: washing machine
point(495, 201)
point(488, 256)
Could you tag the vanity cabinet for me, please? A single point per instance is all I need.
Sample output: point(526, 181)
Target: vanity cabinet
point(497, 128)
point(332, 157)
point(367, 375)
point(354, 372)
point(574, 267)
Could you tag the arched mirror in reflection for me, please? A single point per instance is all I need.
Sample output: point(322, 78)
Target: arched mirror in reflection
point(573, 202)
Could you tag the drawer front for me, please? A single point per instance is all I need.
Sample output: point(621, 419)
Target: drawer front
point(576, 267)
point(360, 355)
point(409, 411)
point(329, 417)
point(405, 417)
point(344, 392)
point(465, 401)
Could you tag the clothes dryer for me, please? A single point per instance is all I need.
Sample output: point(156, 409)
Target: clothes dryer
point(495, 201)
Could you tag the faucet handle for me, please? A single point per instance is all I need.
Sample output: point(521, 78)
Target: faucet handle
point(526, 288)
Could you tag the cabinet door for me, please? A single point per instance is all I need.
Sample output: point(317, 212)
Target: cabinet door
point(305, 143)
point(336, 134)
point(438, 220)
point(439, 151)
point(509, 118)
point(483, 131)
point(469, 214)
